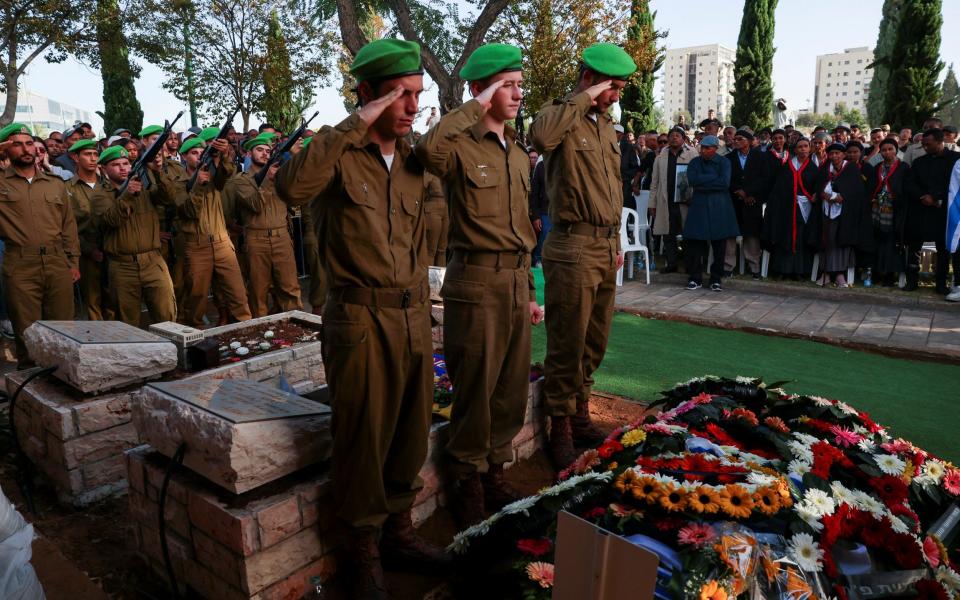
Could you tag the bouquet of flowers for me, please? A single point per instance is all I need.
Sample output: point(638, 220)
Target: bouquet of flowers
point(740, 487)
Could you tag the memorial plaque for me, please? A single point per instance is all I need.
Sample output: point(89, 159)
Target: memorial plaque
point(241, 400)
point(95, 356)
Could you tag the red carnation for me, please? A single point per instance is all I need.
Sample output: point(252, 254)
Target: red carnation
point(535, 547)
point(892, 490)
point(608, 448)
point(595, 513)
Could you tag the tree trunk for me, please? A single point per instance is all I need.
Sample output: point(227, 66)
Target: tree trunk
point(10, 108)
point(350, 31)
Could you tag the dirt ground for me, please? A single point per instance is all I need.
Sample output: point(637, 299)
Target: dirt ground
point(88, 553)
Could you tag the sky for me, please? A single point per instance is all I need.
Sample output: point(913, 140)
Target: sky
point(804, 29)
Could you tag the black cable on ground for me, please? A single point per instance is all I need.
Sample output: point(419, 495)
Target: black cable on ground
point(24, 466)
point(161, 518)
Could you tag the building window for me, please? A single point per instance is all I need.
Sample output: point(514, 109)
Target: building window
point(846, 62)
point(860, 61)
point(857, 82)
point(828, 94)
point(858, 72)
point(829, 64)
point(846, 73)
point(828, 84)
point(844, 93)
point(857, 93)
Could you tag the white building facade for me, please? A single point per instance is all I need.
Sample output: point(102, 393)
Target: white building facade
point(44, 115)
point(843, 78)
point(697, 79)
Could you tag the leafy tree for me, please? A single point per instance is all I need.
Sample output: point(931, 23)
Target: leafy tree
point(883, 55)
point(121, 107)
point(950, 99)
point(753, 68)
point(637, 99)
point(911, 90)
point(279, 89)
point(30, 29)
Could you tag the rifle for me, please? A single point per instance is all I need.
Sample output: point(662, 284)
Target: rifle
point(518, 125)
point(206, 159)
point(278, 153)
point(139, 168)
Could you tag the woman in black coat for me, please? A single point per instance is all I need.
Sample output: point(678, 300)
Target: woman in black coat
point(888, 212)
point(842, 225)
point(789, 209)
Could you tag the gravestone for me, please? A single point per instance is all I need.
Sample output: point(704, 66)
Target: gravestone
point(239, 434)
point(93, 356)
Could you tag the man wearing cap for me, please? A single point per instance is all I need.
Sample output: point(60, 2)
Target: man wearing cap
point(841, 133)
point(366, 187)
point(263, 217)
point(582, 252)
point(749, 185)
point(208, 252)
point(489, 296)
point(70, 137)
point(37, 226)
point(131, 238)
point(80, 191)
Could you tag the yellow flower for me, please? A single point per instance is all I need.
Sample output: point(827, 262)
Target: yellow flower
point(736, 502)
point(646, 488)
point(704, 499)
point(712, 590)
point(633, 437)
point(766, 500)
point(673, 499)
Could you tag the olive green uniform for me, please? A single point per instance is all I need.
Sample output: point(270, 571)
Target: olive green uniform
point(174, 250)
point(268, 246)
point(488, 284)
point(93, 274)
point(131, 239)
point(208, 251)
point(438, 221)
point(40, 233)
point(317, 294)
point(582, 161)
point(377, 346)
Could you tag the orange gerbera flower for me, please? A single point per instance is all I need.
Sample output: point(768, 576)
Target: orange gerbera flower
point(646, 488)
point(786, 500)
point(712, 590)
point(704, 499)
point(767, 500)
point(735, 501)
point(673, 498)
point(625, 481)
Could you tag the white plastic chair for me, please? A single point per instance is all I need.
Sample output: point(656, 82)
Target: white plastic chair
point(630, 218)
point(851, 272)
point(643, 224)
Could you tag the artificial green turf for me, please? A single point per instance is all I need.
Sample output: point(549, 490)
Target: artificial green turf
point(919, 401)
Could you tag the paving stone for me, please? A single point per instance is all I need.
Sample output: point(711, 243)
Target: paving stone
point(785, 313)
point(758, 309)
point(814, 317)
point(878, 323)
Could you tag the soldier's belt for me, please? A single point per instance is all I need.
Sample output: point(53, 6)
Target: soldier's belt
point(205, 238)
point(136, 258)
point(382, 297)
point(498, 260)
point(53, 248)
point(588, 230)
point(266, 233)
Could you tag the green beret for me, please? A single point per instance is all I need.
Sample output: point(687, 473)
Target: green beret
point(13, 128)
point(150, 130)
point(112, 153)
point(264, 139)
point(491, 59)
point(208, 134)
point(191, 144)
point(307, 141)
point(83, 145)
point(382, 59)
point(609, 59)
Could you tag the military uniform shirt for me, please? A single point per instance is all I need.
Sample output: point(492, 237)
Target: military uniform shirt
point(257, 207)
point(81, 201)
point(37, 214)
point(201, 209)
point(130, 223)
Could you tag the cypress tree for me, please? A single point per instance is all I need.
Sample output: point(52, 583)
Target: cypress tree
point(950, 99)
point(637, 101)
point(278, 86)
point(883, 57)
point(120, 104)
point(753, 69)
point(911, 90)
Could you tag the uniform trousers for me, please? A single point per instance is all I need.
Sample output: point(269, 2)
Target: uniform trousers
point(38, 285)
point(751, 254)
point(270, 261)
point(486, 345)
point(317, 293)
point(379, 364)
point(137, 279)
point(96, 300)
point(212, 259)
point(437, 220)
point(580, 274)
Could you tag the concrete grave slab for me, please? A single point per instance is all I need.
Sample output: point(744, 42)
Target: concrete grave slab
point(240, 434)
point(93, 356)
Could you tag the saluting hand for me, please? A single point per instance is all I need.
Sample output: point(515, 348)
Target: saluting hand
point(372, 110)
point(485, 98)
point(594, 91)
point(536, 313)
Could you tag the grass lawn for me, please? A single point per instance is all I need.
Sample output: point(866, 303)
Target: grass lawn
point(919, 401)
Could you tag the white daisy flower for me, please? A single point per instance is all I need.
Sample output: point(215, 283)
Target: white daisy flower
point(806, 552)
point(801, 451)
point(861, 430)
point(867, 445)
point(689, 486)
point(873, 506)
point(890, 464)
point(805, 438)
point(948, 578)
point(841, 494)
point(760, 478)
point(745, 380)
point(819, 502)
point(665, 479)
point(846, 408)
point(821, 401)
point(521, 505)
point(809, 517)
point(897, 524)
point(934, 470)
point(798, 467)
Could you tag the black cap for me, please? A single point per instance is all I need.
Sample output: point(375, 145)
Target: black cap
point(950, 129)
point(744, 132)
point(836, 146)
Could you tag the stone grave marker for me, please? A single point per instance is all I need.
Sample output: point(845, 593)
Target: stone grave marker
point(240, 434)
point(94, 356)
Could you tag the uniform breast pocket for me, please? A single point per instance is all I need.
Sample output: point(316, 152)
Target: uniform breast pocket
point(358, 212)
point(55, 199)
point(616, 148)
point(483, 191)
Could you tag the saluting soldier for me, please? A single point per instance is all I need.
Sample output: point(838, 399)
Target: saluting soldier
point(263, 216)
point(438, 221)
point(40, 263)
point(80, 191)
point(131, 238)
point(488, 291)
point(209, 253)
point(366, 189)
point(581, 254)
